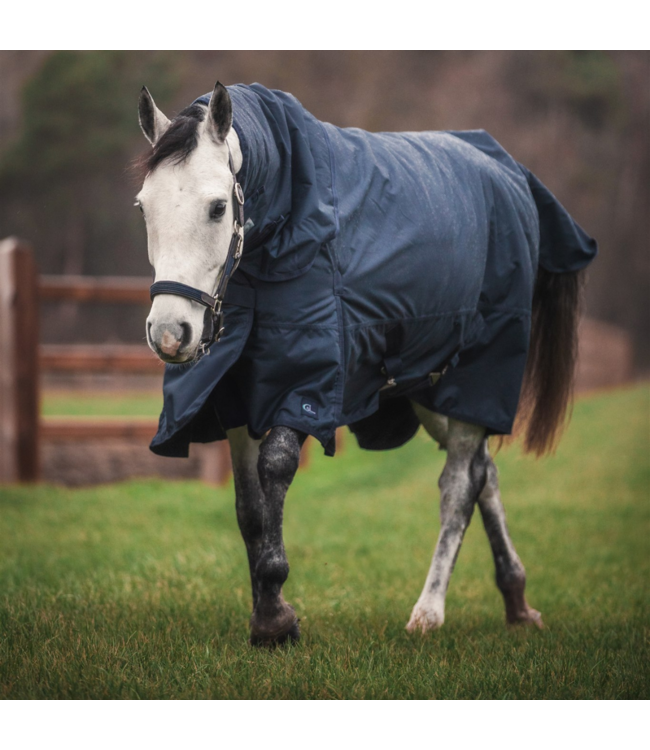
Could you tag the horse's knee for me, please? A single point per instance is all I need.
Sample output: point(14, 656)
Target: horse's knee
point(279, 456)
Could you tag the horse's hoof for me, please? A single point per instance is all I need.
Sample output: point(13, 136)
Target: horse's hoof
point(529, 617)
point(424, 620)
point(272, 640)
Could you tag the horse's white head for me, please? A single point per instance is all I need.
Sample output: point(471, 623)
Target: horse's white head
point(187, 203)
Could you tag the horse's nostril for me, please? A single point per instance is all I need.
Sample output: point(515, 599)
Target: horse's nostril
point(186, 336)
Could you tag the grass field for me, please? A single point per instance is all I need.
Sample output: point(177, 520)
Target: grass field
point(140, 590)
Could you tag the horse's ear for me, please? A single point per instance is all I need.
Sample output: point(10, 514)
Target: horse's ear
point(152, 121)
point(220, 113)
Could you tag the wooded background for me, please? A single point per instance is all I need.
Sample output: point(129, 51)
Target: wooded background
point(69, 131)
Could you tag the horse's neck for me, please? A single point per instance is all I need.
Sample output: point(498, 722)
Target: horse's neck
point(235, 149)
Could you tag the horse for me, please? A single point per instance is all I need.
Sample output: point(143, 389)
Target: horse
point(308, 277)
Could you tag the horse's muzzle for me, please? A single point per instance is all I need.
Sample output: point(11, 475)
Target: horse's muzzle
point(171, 341)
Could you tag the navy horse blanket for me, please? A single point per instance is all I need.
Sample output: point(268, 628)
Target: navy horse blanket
point(373, 262)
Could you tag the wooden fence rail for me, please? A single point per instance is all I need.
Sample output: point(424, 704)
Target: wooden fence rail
point(119, 289)
point(97, 428)
point(134, 358)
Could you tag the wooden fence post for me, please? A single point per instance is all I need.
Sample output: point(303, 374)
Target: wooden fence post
point(7, 442)
point(19, 340)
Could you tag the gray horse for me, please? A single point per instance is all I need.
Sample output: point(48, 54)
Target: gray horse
point(380, 281)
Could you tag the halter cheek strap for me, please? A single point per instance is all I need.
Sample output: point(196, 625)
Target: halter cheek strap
point(213, 324)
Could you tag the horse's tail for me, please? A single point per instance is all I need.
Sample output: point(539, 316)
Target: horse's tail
point(547, 389)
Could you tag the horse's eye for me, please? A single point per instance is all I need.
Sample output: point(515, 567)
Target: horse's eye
point(217, 210)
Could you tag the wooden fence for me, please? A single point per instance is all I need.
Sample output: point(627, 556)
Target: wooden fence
point(23, 359)
point(606, 359)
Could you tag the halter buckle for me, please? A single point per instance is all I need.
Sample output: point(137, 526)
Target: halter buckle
point(217, 320)
point(239, 194)
point(238, 231)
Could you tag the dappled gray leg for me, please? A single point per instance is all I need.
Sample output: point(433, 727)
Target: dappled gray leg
point(249, 500)
point(510, 573)
point(460, 484)
point(273, 620)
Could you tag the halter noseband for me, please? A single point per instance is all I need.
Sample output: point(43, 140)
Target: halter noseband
point(213, 325)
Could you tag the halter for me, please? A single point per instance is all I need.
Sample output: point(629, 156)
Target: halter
point(213, 325)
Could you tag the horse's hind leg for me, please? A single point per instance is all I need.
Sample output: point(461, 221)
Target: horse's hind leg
point(510, 573)
point(460, 484)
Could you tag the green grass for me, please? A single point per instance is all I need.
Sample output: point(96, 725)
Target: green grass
point(56, 404)
point(140, 590)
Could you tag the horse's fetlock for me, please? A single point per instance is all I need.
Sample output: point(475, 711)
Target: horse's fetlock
point(512, 582)
point(272, 568)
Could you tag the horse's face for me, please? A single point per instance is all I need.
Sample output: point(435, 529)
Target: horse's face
point(187, 203)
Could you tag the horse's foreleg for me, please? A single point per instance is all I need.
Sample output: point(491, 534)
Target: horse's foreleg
point(460, 484)
point(249, 499)
point(273, 620)
point(510, 573)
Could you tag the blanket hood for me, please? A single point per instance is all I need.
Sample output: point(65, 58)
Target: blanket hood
point(286, 176)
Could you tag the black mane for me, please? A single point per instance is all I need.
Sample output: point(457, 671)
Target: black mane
point(179, 140)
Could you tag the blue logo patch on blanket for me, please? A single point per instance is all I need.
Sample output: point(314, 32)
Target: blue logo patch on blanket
point(309, 408)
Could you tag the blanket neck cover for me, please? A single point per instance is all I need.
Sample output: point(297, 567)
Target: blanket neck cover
point(373, 262)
